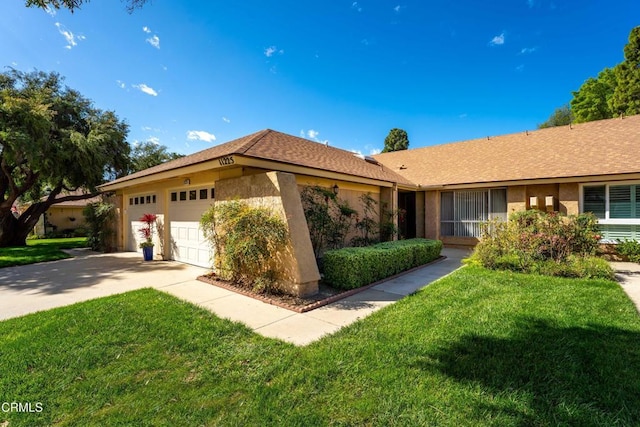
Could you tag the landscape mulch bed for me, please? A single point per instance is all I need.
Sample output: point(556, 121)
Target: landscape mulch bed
point(326, 294)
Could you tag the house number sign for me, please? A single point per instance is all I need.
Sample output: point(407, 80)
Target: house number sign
point(226, 161)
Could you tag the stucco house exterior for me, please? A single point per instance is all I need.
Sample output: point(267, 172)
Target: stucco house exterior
point(591, 166)
point(446, 190)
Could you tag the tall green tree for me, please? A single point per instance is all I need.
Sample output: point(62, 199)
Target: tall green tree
point(396, 140)
point(561, 117)
point(52, 141)
point(72, 5)
point(626, 97)
point(148, 154)
point(593, 100)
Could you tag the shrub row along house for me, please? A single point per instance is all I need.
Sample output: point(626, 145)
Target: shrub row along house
point(446, 191)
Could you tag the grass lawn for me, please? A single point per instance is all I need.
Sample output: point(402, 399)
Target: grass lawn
point(474, 349)
point(39, 250)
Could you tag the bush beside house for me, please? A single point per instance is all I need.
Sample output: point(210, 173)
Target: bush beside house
point(351, 268)
point(544, 243)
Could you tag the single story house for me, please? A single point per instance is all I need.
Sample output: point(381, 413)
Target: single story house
point(447, 190)
point(587, 167)
point(64, 217)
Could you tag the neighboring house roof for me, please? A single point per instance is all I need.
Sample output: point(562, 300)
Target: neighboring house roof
point(280, 147)
point(604, 147)
point(74, 203)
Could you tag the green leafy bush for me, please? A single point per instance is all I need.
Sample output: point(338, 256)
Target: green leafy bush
point(99, 218)
point(630, 249)
point(246, 240)
point(545, 243)
point(351, 268)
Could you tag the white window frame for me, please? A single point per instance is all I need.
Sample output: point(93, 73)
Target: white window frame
point(474, 224)
point(607, 220)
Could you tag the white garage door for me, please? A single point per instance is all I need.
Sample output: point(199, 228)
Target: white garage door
point(137, 206)
point(187, 240)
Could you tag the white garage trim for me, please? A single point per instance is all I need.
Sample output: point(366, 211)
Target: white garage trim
point(187, 242)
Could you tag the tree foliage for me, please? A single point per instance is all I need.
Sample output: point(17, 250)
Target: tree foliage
point(396, 140)
point(561, 117)
point(148, 154)
point(52, 141)
point(613, 92)
point(73, 5)
point(626, 97)
point(593, 100)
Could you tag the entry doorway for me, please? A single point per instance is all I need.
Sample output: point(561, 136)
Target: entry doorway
point(407, 215)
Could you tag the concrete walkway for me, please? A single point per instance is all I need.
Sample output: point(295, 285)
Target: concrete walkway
point(628, 275)
point(36, 287)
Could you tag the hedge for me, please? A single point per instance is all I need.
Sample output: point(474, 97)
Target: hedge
point(351, 268)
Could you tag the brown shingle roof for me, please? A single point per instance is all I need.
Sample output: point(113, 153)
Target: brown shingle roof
point(602, 147)
point(280, 147)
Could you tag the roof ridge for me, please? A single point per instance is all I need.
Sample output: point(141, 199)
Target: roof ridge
point(253, 141)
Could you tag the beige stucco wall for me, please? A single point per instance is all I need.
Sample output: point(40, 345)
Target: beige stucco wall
point(569, 197)
point(432, 214)
point(60, 217)
point(420, 214)
point(278, 191)
point(516, 198)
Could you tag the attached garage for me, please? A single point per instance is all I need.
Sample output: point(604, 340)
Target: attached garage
point(138, 205)
point(188, 243)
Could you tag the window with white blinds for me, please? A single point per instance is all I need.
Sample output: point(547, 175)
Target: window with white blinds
point(463, 212)
point(617, 207)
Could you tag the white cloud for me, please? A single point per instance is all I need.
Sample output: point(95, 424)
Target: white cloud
point(146, 89)
point(154, 139)
point(51, 11)
point(200, 135)
point(374, 151)
point(313, 134)
point(72, 39)
point(528, 50)
point(497, 40)
point(121, 84)
point(226, 120)
point(272, 50)
point(397, 9)
point(146, 29)
point(154, 41)
point(356, 6)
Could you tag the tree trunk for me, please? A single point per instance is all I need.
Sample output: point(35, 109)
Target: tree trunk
point(12, 231)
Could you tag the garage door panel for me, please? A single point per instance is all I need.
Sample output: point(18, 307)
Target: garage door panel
point(189, 243)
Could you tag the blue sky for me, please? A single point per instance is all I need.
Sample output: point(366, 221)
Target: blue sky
point(193, 74)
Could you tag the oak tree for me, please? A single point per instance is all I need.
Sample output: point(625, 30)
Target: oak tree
point(53, 141)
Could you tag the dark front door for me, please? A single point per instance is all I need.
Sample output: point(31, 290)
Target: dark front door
point(407, 215)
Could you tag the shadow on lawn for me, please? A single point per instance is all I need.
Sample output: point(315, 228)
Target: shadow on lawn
point(566, 376)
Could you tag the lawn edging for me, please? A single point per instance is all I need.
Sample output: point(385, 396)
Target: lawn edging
point(313, 305)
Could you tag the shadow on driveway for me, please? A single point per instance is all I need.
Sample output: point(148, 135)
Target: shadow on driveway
point(91, 269)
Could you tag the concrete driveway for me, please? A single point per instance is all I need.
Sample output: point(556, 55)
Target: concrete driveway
point(30, 288)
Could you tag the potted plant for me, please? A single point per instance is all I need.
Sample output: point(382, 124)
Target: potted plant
point(147, 234)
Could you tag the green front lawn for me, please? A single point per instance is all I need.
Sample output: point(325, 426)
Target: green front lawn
point(476, 348)
point(39, 250)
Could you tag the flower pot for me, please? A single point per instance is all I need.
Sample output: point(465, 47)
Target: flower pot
point(147, 252)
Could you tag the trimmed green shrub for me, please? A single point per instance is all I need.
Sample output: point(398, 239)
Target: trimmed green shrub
point(544, 243)
point(351, 268)
point(99, 217)
point(630, 249)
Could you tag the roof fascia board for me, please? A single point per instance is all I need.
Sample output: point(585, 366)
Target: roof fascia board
point(566, 180)
point(304, 170)
point(213, 164)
